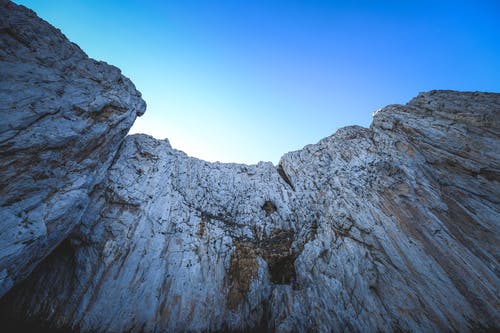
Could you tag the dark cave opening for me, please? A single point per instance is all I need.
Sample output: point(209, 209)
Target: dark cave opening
point(65, 249)
point(280, 257)
point(282, 270)
point(14, 312)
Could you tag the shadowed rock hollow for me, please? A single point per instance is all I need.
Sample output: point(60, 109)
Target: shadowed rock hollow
point(389, 228)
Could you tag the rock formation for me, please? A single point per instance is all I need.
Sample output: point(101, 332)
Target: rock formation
point(389, 228)
point(63, 116)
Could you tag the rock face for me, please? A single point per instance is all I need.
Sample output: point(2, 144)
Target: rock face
point(63, 116)
point(389, 228)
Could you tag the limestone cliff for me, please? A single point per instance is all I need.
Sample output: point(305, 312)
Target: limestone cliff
point(389, 228)
point(63, 116)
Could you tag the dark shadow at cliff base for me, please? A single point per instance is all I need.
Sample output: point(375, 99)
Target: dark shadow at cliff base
point(14, 307)
point(13, 325)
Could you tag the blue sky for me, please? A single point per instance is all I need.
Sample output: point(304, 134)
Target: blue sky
point(244, 81)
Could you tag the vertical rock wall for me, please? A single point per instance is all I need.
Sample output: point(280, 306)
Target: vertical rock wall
point(390, 228)
point(63, 116)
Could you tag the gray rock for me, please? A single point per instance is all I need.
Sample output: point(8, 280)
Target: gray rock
point(390, 228)
point(63, 117)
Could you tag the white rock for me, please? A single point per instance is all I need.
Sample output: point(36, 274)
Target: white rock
point(63, 116)
point(381, 238)
point(390, 228)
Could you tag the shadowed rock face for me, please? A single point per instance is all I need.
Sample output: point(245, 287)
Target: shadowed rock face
point(389, 228)
point(63, 116)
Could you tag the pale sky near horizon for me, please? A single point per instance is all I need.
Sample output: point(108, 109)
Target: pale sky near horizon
point(244, 81)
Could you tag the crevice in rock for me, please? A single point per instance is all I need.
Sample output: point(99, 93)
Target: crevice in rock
point(284, 176)
point(269, 207)
point(489, 174)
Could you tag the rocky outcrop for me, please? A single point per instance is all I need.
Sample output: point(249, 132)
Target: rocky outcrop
point(63, 116)
point(389, 228)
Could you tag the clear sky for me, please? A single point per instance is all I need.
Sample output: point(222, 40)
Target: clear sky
point(244, 81)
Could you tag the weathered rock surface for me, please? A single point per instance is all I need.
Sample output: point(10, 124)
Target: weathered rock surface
point(63, 116)
point(389, 228)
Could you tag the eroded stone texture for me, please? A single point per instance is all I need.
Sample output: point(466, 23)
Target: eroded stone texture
point(389, 228)
point(63, 116)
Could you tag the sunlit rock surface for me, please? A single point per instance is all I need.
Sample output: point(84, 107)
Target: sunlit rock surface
point(389, 228)
point(62, 117)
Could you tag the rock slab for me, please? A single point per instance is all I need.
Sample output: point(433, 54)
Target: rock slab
point(63, 116)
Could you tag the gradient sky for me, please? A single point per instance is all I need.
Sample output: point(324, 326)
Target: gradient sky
point(244, 81)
